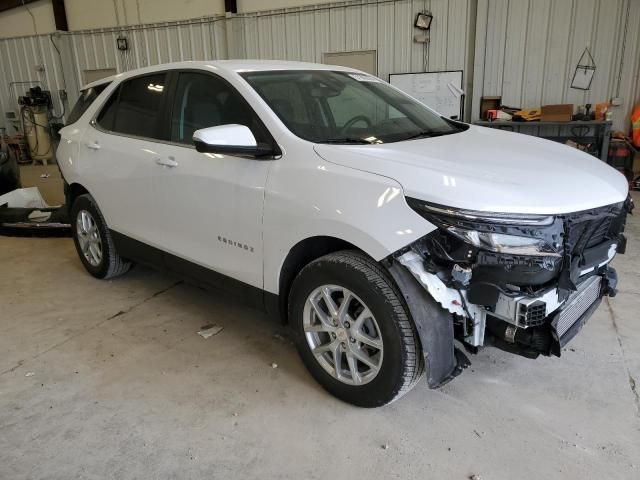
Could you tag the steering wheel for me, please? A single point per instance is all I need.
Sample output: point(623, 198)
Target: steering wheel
point(351, 122)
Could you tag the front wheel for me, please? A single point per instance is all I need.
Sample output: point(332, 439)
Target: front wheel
point(353, 331)
point(93, 240)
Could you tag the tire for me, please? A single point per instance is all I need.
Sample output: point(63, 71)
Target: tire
point(109, 264)
point(353, 275)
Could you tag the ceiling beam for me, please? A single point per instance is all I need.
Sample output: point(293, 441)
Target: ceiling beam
point(60, 15)
point(231, 6)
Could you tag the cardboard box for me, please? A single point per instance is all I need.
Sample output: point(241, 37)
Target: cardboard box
point(489, 103)
point(557, 113)
point(47, 179)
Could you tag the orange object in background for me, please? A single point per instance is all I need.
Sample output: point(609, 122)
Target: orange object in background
point(601, 110)
point(635, 125)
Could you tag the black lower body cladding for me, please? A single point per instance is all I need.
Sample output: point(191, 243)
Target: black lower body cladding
point(443, 362)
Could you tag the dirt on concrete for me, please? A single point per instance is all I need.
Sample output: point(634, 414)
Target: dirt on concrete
point(109, 379)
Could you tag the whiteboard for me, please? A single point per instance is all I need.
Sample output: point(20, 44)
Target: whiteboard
point(432, 89)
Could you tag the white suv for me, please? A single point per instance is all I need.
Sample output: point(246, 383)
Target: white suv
point(378, 230)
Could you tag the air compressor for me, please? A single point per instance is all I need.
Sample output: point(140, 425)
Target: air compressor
point(35, 108)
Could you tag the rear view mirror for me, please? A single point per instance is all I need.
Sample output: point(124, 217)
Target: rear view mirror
point(231, 139)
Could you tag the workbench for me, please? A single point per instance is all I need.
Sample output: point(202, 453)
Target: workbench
point(596, 131)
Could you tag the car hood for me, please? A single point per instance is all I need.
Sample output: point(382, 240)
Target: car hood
point(489, 170)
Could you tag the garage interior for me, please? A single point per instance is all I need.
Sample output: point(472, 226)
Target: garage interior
point(146, 376)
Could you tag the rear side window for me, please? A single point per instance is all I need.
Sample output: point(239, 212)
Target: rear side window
point(135, 107)
point(84, 102)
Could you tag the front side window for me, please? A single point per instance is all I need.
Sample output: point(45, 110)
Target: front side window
point(342, 107)
point(135, 107)
point(203, 101)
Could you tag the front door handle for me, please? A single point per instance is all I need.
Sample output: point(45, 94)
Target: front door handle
point(92, 145)
point(167, 162)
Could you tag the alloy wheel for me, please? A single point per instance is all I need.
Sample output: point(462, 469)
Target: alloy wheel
point(89, 238)
point(343, 334)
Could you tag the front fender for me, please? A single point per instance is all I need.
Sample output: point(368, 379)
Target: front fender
point(306, 196)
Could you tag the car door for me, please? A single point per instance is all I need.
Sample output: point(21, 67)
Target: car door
point(211, 204)
point(120, 155)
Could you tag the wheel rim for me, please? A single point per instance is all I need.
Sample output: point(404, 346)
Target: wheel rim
point(89, 238)
point(343, 335)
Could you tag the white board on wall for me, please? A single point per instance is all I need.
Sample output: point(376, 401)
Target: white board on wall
point(434, 89)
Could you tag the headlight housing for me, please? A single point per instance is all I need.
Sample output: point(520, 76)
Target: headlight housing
point(502, 243)
point(515, 234)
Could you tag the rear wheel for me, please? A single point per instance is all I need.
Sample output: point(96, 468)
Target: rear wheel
point(353, 331)
point(93, 240)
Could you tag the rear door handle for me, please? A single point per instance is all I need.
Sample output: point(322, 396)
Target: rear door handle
point(167, 162)
point(92, 145)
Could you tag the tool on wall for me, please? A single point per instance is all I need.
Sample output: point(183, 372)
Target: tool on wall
point(583, 75)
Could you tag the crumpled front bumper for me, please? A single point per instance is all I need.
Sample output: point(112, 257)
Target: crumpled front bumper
point(557, 329)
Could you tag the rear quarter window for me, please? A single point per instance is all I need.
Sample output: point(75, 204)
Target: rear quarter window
point(85, 100)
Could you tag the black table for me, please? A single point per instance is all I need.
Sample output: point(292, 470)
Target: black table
point(601, 129)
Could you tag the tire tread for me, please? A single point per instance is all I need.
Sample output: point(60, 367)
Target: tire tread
point(117, 265)
point(413, 363)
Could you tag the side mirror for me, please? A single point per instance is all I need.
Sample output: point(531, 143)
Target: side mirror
point(229, 139)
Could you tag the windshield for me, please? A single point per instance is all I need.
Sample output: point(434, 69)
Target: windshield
point(343, 107)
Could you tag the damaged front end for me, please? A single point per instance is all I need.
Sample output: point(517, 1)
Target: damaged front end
point(524, 283)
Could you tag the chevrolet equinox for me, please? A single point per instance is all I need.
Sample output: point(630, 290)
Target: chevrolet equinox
point(383, 234)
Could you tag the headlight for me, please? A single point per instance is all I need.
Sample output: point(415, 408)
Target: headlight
point(516, 234)
point(501, 243)
point(473, 215)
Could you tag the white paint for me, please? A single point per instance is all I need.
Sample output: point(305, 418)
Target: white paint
point(490, 170)
point(236, 135)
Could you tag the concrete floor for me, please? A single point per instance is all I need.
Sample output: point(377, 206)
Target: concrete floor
point(110, 380)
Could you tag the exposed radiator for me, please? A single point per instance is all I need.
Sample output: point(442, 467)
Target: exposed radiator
point(588, 292)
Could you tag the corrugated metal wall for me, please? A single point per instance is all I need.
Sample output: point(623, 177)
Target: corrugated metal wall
point(64, 68)
point(201, 39)
point(19, 58)
point(386, 26)
point(303, 33)
point(527, 51)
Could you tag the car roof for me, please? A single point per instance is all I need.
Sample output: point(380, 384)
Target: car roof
point(234, 66)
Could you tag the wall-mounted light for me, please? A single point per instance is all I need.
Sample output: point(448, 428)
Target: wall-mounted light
point(423, 21)
point(122, 43)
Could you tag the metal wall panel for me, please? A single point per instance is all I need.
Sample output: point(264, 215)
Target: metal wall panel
point(302, 33)
point(527, 51)
point(524, 50)
point(386, 26)
point(151, 44)
point(19, 58)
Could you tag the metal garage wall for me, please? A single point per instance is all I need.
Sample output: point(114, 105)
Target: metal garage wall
point(150, 44)
point(302, 33)
point(19, 58)
point(305, 33)
point(527, 51)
